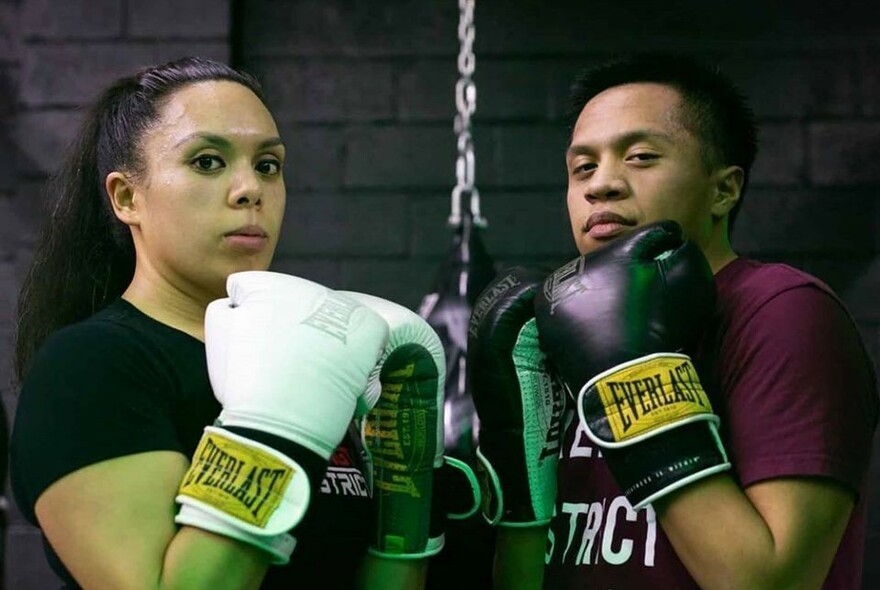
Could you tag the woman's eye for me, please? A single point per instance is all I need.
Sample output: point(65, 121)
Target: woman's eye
point(269, 167)
point(207, 163)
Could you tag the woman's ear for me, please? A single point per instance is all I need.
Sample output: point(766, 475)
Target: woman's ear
point(121, 191)
point(728, 185)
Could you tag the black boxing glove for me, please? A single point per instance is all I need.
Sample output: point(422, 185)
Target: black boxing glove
point(518, 401)
point(615, 324)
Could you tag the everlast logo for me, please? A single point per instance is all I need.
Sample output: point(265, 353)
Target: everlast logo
point(489, 299)
point(551, 392)
point(252, 485)
point(634, 400)
point(398, 434)
point(564, 283)
point(333, 316)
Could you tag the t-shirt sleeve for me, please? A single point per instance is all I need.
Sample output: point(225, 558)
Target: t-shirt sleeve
point(92, 393)
point(802, 398)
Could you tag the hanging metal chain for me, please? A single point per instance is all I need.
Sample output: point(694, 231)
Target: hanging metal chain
point(466, 104)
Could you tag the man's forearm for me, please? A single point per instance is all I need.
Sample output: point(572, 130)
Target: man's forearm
point(727, 542)
point(519, 558)
point(384, 573)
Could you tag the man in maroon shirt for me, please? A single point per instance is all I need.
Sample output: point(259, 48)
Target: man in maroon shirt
point(659, 137)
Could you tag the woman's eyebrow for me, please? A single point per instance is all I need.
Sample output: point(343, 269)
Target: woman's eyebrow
point(221, 141)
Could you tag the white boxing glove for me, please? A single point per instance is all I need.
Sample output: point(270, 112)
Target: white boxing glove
point(288, 359)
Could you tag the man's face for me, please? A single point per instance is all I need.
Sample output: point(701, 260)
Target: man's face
point(631, 162)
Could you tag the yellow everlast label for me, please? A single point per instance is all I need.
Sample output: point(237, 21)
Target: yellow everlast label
point(242, 481)
point(649, 395)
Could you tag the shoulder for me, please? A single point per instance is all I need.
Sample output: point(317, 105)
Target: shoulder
point(108, 386)
point(748, 284)
point(756, 297)
point(118, 323)
point(107, 361)
point(106, 331)
point(799, 385)
point(116, 340)
point(783, 329)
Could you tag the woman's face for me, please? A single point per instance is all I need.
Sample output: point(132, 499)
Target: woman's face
point(211, 199)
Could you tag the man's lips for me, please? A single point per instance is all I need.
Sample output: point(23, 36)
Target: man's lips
point(605, 224)
point(603, 217)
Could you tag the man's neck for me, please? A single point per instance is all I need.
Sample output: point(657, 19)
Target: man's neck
point(717, 249)
point(720, 261)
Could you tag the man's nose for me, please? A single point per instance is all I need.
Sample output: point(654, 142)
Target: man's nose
point(606, 183)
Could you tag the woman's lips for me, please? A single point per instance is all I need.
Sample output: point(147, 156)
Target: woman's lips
point(249, 238)
point(246, 242)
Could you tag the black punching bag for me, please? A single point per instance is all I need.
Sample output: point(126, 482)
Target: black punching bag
point(465, 563)
point(465, 272)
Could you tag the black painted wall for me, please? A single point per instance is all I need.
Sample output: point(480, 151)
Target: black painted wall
point(363, 94)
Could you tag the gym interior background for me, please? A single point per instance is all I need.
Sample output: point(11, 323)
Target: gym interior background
point(363, 92)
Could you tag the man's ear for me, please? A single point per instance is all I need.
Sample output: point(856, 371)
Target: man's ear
point(121, 191)
point(728, 185)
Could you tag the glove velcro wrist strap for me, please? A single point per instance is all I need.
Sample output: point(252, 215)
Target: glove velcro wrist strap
point(659, 466)
point(492, 498)
point(510, 496)
point(456, 496)
point(457, 490)
point(247, 484)
point(626, 409)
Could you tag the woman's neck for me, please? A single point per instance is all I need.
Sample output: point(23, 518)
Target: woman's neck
point(168, 304)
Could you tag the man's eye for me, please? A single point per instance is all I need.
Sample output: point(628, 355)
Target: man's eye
point(269, 167)
point(207, 163)
point(644, 157)
point(585, 167)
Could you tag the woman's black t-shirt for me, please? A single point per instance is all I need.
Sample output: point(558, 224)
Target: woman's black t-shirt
point(121, 383)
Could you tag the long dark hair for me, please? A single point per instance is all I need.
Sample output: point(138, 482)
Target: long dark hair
point(85, 256)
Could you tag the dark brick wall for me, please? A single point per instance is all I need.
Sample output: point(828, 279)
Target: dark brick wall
point(363, 94)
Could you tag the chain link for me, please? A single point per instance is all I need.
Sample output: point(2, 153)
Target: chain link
point(466, 105)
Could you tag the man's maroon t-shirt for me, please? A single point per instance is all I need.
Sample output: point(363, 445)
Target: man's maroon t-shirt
point(788, 374)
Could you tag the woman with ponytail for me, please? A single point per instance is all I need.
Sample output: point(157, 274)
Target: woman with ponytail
point(174, 182)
